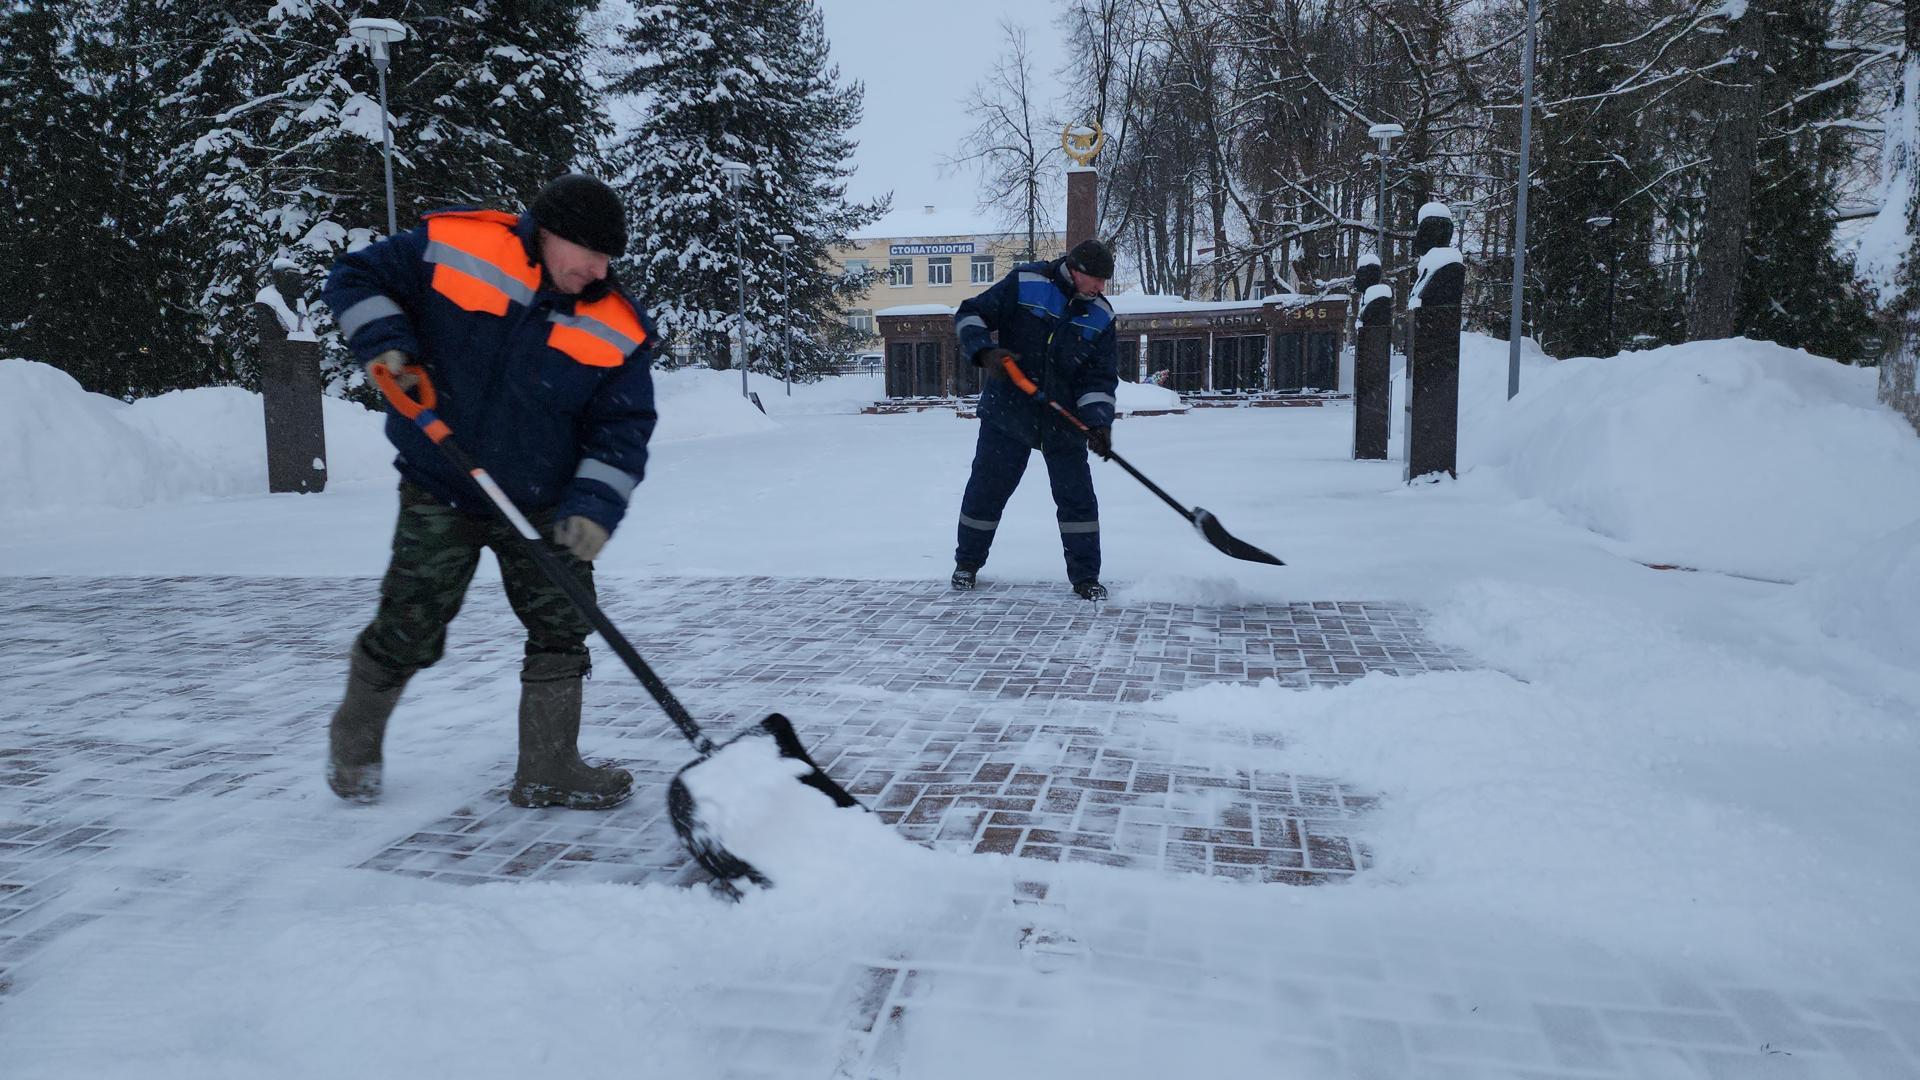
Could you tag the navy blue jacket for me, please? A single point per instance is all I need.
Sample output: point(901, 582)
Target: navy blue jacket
point(1065, 344)
point(552, 394)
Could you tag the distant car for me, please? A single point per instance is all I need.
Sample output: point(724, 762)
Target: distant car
point(866, 363)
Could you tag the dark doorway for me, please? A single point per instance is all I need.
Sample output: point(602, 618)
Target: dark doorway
point(926, 373)
point(1287, 361)
point(1322, 363)
point(1240, 363)
point(913, 369)
point(900, 369)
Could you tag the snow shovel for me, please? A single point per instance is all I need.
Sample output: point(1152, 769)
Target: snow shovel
point(696, 830)
point(1208, 525)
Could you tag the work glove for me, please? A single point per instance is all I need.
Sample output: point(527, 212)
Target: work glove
point(581, 536)
point(992, 359)
point(402, 367)
point(1100, 439)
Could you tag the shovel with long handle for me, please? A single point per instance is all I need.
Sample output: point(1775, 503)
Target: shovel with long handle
point(1208, 525)
point(696, 831)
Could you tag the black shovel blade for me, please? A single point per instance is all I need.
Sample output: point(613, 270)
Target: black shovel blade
point(703, 839)
point(1219, 537)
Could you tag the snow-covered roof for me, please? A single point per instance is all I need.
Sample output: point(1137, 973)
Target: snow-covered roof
point(919, 222)
point(1144, 303)
point(915, 309)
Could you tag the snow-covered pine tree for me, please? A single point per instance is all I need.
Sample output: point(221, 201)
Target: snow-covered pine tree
point(495, 99)
point(698, 82)
point(89, 281)
point(279, 162)
point(1592, 213)
point(265, 167)
point(1797, 289)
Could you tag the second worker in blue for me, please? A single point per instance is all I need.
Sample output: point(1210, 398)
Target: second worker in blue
point(1051, 318)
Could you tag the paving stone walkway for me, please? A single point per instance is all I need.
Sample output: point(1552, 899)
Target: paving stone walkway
point(144, 722)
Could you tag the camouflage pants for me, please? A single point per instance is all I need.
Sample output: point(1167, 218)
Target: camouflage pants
point(436, 549)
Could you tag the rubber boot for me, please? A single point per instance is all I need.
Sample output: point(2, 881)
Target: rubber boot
point(359, 726)
point(1090, 590)
point(551, 772)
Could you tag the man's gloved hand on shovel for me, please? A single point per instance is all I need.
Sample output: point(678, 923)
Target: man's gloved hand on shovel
point(581, 536)
point(402, 367)
point(993, 361)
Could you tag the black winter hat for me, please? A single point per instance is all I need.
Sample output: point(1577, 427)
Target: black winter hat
point(1092, 258)
point(579, 208)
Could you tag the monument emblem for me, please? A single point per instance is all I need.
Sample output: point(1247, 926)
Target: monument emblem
point(1082, 142)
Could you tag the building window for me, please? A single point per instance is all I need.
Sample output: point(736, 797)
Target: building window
point(982, 270)
point(940, 270)
point(899, 273)
point(861, 320)
point(857, 267)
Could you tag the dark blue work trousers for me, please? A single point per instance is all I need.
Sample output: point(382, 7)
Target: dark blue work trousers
point(999, 459)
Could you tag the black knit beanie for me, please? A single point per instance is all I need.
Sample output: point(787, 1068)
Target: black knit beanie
point(1092, 258)
point(579, 208)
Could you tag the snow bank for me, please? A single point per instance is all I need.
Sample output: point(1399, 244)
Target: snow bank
point(1616, 779)
point(699, 403)
point(220, 433)
point(66, 447)
point(1733, 455)
point(834, 394)
point(1145, 397)
point(1871, 597)
point(1483, 388)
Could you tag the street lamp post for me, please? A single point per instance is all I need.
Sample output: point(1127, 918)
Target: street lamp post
point(378, 34)
point(1520, 202)
point(785, 243)
point(1384, 134)
point(737, 173)
point(1604, 225)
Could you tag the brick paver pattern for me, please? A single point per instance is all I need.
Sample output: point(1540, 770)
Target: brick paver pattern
point(1016, 720)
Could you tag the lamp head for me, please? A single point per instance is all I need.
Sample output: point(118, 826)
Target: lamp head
point(378, 34)
point(1385, 133)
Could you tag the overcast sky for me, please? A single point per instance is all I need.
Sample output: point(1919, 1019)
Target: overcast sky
point(918, 59)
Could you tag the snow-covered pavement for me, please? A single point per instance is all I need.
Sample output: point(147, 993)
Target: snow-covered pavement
point(182, 889)
point(1567, 816)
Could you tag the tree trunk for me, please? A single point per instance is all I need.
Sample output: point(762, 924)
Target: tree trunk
point(1732, 149)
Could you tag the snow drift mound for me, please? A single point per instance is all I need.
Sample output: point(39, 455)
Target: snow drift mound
point(1871, 597)
point(1145, 397)
point(699, 402)
point(1483, 391)
point(65, 447)
point(1732, 455)
point(220, 431)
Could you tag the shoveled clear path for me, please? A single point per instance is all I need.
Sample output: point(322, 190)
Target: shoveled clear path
point(161, 739)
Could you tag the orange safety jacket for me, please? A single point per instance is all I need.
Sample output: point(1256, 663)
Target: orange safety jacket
point(551, 393)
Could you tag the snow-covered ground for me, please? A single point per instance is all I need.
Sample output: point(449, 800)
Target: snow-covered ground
point(1710, 768)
